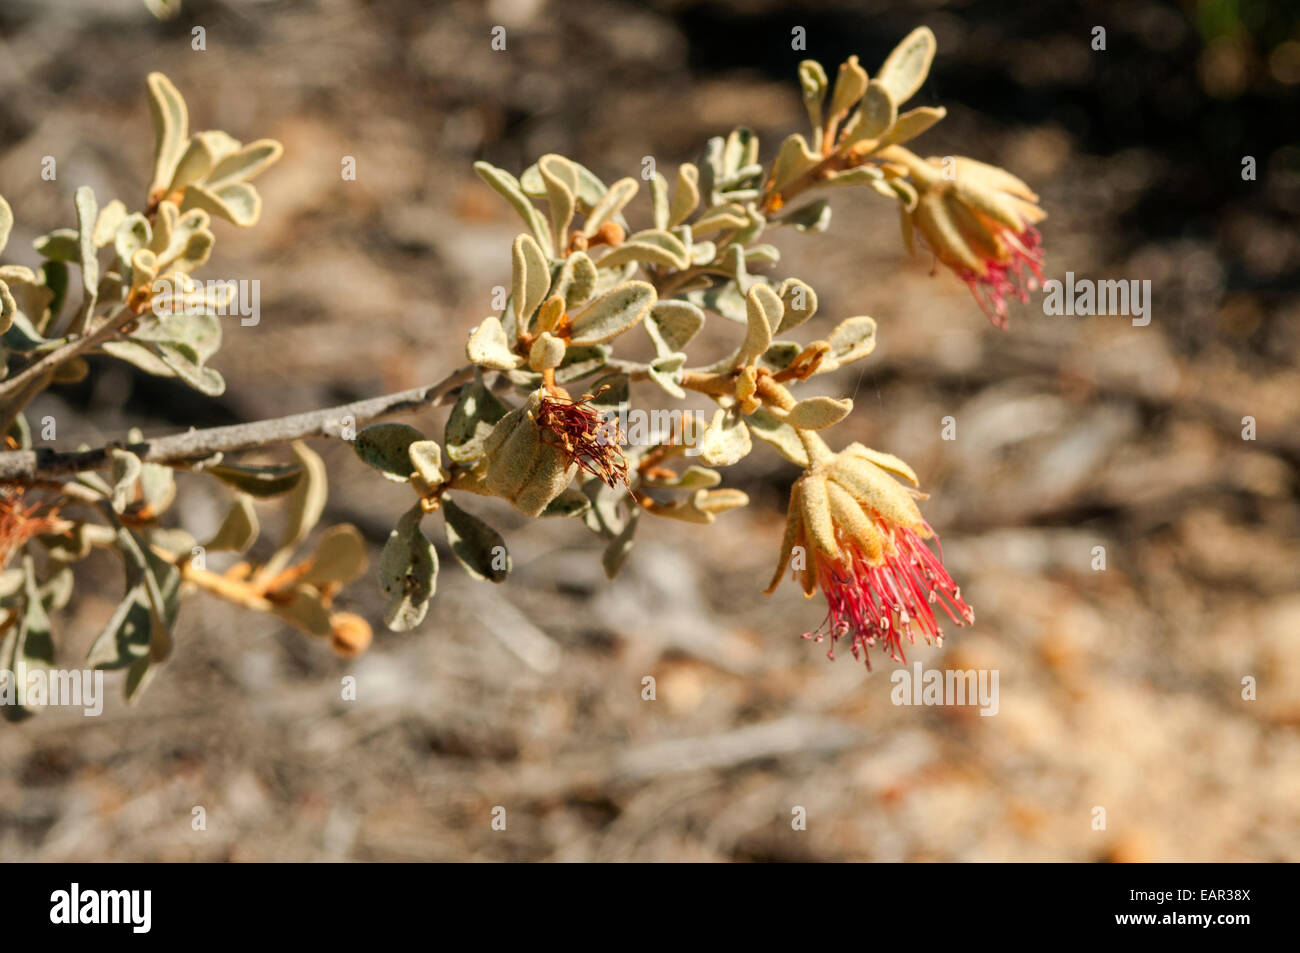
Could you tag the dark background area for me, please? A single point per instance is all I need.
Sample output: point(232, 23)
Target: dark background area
point(1119, 689)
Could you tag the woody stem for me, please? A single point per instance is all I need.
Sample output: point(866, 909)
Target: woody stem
point(184, 449)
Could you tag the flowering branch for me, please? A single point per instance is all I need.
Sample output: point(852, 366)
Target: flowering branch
point(183, 450)
point(544, 416)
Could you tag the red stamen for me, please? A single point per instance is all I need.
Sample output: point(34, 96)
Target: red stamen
point(1014, 278)
point(871, 603)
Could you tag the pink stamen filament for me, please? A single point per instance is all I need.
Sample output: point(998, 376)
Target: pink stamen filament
point(884, 602)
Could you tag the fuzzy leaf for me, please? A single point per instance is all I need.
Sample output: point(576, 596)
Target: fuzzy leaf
point(590, 188)
point(581, 360)
point(110, 219)
point(570, 502)
point(616, 553)
point(908, 65)
point(818, 413)
point(672, 324)
point(8, 308)
point(849, 87)
point(794, 159)
point(531, 274)
point(652, 247)
point(237, 203)
point(911, 124)
point(476, 546)
point(195, 162)
point(577, 280)
point(659, 200)
point(340, 557)
point(124, 640)
point(126, 469)
point(187, 363)
point(477, 410)
point(852, 340)
point(6, 222)
point(547, 352)
point(876, 115)
point(308, 499)
point(764, 425)
point(764, 311)
point(799, 301)
point(692, 478)
point(813, 84)
point(305, 609)
point(725, 442)
point(261, 482)
point(62, 244)
point(247, 163)
point(386, 447)
point(132, 235)
point(725, 300)
point(488, 346)
point(170, 128)
point(666, 371)
point(610, 204)
point(613, 312)
point(686, 196)
point(813, 217)
point(238, 530)
point(560, 177)
point(87, 215)
point(408, 573)
point(780, 355)
point(507, 186)
point(426, 461)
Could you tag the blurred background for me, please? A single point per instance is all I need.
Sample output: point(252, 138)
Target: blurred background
point(1119, 688)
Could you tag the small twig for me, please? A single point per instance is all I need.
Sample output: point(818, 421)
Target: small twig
point(25, 466)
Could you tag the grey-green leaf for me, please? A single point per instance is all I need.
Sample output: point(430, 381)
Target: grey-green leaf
point(6, 222)
point(340, 557)
point(853, 339)
point(613, 312)
point(386, 447)
point(764, 425)
point(408, 573)
point(907, 66)
point(672, 324)
point(570, 502)
point(531, 274)
point(507, 186)
point(125, 639)
point(262, 482)
point(475, 544)
point(238, 530)
point(726, 441)
point(471, 420)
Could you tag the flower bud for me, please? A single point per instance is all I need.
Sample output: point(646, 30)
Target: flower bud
point(350, 635)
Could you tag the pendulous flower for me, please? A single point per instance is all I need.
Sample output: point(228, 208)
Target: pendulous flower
point(978, 220)
point(856, 533)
